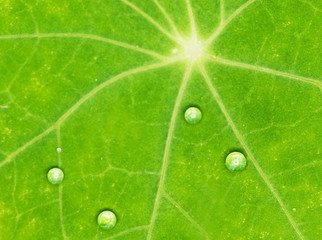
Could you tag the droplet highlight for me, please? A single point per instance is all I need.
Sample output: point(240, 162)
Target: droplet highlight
point(193, 115)
point(55, 175)
point(106, 220)
point(236, 161)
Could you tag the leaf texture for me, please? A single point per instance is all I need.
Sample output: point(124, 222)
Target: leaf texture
point(108, 82)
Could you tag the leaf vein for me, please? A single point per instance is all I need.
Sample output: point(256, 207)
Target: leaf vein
point(185, 214)
point(192, 21)
point(248, 151)
point(71, 110)
point(60, 189)
point(223, 25)
point(151, 20)
point(32, 53)
point(130, 230)
point(166, 153)
point(268, 71)
point(167, 16)
point(84, 36)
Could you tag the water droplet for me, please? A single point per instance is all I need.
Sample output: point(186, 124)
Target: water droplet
point(193, 115)
point(294, 209)
point(236, 161)
point(55, 175)
point(106, 220)
point(58, 149)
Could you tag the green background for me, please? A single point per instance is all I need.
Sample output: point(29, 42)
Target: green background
point(109, 82)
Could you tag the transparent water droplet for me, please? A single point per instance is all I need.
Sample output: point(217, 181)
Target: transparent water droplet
point(294, 209)
point(58, 149)
point(106, 220)
point(55, 175)
point(236, 161)
point(193, 115)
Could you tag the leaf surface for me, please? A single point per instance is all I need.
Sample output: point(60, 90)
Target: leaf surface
point(108, 82)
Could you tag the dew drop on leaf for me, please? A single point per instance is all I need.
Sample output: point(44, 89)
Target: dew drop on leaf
point(106, 220)
point(236, 161)
point(55, 175)
point(193, 115)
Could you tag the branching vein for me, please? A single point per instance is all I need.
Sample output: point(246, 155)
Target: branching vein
point(165, 159)
point(60, 190)
point(32, 53)
point(269, 71)
point(125, 232)
point(84, 36)
point(166, 15)
point(185, 214)
point(26, 145)
point(192, 22)
point(222, 12)
point(151, 20)
point(71, 110)
point(222, 26)
point(248, 151)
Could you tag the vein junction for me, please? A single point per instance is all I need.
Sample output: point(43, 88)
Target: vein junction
point(194, 52)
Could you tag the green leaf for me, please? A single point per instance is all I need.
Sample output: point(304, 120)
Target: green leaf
point(108, 82)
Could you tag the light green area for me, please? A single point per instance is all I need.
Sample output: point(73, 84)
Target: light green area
point(106, 220)
point(55, 175)
point(236, 161)
point(193, 115)
point(109, 82)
